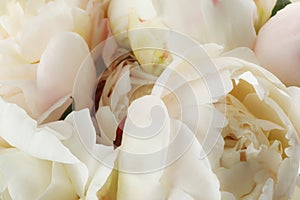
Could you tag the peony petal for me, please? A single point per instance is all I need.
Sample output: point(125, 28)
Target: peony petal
point(83, 145)
point(98, 181)
point(81, 22)
point(29, 138)
point(54, 17)
point(61, 59)
point(56, 111)
point(24, 93)
point(24, 72)
point(10, 57)
point(264, 11)
point(212, 20)
point(227, 196)
point(296, 194)
point(177, 194)
point(17, 166)
point(286, 179)
point(99, 24)
point(190, 172)
point(270, 53)
point(107, 124)
point(294, 92)
point(118, 15)
point(61, 186)
point(142, 153)
point(231, 179)
point(267, 191)
point(148, 42)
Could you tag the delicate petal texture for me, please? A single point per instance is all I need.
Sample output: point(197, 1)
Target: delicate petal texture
point(146, 133)
point(281, 57)
point(17, 166)
point(61, 59)
point(61, 186)
point(62, 159)
point(262, 135)
point(212, 18)
point(36, 66)
point(98, 159)
point(55, 17)
point(194, 171)
point(27, 137)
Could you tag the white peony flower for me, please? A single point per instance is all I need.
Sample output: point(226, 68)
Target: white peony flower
point(43, 44)
point(261, 152)
point(127, 115)
point(278, 45)
point(34, 163)
point(257, 155)
point(227, 115)
point(49, 161)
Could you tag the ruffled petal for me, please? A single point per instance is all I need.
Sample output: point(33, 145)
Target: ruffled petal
point(27, 137)
point(61, 59)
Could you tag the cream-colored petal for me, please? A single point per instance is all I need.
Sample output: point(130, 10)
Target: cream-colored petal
point(107, 124)
point(264, 11)
point(118, 15)
point(287, 175)
point(17, 167)
point(177, 194)
point(29, 138)
point(60, 186)
point(211, 19)
point(190, 172)
point(53, 18)
point(143, 151)
point(56, 111)
point(59, 65)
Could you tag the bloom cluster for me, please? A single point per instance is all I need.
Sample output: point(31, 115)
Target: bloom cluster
point(149, 99)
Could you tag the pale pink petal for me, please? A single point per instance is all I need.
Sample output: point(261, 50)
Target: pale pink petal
point(59, 65)
point(284, 29)
point(54, 17)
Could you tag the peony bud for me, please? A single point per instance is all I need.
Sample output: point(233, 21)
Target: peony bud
point(278, 45)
